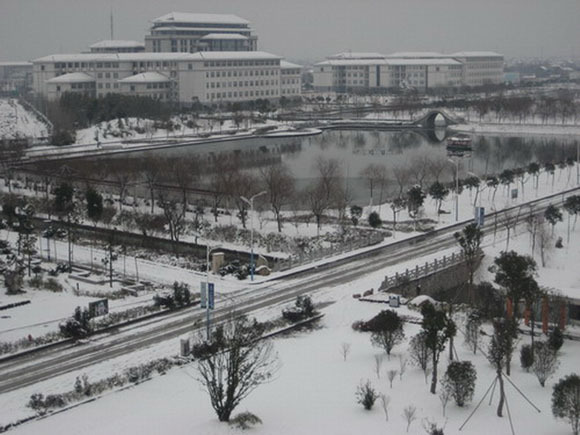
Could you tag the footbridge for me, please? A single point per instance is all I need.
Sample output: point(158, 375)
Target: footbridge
point(427, 118)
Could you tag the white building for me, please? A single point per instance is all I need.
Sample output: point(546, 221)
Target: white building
point(352, 72)
point(117, 46)
point(207, 77)
point(481, 67)
point(189, 33)
point(15, 76)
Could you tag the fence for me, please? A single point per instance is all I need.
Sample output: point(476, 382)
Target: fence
point(419, 272)
point(319, 254)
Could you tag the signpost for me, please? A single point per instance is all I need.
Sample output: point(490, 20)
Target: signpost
point(479, 216)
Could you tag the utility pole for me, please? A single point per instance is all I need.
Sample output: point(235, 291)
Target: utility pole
point(250, 202)
point(456, 163)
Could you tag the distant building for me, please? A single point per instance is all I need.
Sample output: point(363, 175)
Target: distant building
point(346, 72)
point(512, 78)
point(208, 77)
point(179, 32)
point(15, 76)
point(117, 46)
point(186, 58)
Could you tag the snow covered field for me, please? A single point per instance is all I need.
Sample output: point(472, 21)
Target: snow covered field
point(314, 390)
point(17, 122)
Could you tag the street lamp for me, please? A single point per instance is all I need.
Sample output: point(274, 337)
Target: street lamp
point(578, 163)
point(208, 250)
point(456, 163)
point(477, 197)
point(250, 202)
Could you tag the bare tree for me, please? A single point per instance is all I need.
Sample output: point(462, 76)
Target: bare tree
point(385, 402)
point(375, 176)
point(410, 415)
point(402, 366)
point(391, 375)
point(544, 240)
point(345, 350)
point(444, 395)
point(174, 215)
point(545, 362)
point(420, 168)
point(245, 363)
point(280, 185)
point(378, 365)
point(402, 176)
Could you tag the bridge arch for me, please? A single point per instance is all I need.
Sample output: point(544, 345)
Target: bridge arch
point(427, 119)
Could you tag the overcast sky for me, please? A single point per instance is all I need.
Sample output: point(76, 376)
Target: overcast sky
point(309, 29)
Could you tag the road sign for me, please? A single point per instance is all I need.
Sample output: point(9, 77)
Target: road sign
point(203, 294)
point(479, 216)
point(514, 193)
point(210, 296)
point(98, 308)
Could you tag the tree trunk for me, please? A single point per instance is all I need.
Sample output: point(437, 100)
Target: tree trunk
point(501, 396)
point(434, 375)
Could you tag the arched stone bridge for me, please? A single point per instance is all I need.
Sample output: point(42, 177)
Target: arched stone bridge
point(426, 119)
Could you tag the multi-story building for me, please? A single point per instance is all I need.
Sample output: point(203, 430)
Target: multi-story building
point(481, 67)
point(117, 46)
point(190, 33)
point(347, 72)
point(207, 77)
point(188, 57)
point(15, 76)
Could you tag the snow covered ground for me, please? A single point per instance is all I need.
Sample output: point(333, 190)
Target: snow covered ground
point(314, 390)
point(18, 122)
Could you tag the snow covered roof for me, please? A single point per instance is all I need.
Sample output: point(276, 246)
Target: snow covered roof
point(426, 62)
point(233, 55)
point(8, 63)
point(111, 57)
point(286, 64)
point(184, 17)
point(476, 54)
point(353, 62)
point(356, 55)
point(417, 55)
point(224, 36)
point(147, 77)
point(117, 43)
point(76, 77)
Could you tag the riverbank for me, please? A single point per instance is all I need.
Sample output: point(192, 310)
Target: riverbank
point(97, 149)
point(518, 129)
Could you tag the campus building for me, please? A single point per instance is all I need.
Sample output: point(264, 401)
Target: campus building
point(207, 77)
point(179, 32)
point(15, 76)
point(363, 72)
point(187, 58)
point(117, 46)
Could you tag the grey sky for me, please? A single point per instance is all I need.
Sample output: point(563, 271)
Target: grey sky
point(309, 29)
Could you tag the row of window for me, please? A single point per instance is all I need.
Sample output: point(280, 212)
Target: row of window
point(288, 72)
point(240, 73)
point(242, 94)
point(158, 85)
point(246, 83)
point(290, 91)
point(230, 63)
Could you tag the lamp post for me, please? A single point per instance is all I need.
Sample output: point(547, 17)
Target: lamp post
point(578, 163)
point(456, 163)
point(250, 202)
point(208, 250)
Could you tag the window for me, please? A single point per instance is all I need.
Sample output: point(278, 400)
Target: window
point(132, 88)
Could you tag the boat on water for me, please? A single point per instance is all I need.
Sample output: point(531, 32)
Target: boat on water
point(459, 143)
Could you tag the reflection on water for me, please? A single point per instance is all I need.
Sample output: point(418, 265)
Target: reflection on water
point(355, 150)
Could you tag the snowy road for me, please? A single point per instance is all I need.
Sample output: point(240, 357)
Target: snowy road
point(43, 365)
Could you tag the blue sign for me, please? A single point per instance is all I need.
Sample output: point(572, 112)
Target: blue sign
point(479, 216)
point(203, 294)
point(514, 193)
point(210, 296)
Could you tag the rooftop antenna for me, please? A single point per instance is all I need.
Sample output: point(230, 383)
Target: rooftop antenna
point(112, 32)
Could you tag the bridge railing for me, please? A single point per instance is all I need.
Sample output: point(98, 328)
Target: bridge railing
point(322, 253)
